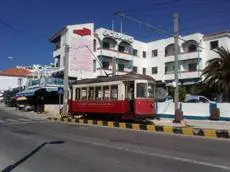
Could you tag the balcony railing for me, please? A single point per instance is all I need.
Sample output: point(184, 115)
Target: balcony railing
point(183, 74)
point(118, 54)
point(183, 56)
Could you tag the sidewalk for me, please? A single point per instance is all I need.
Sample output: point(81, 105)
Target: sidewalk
point(205, 124)
point(28, 114)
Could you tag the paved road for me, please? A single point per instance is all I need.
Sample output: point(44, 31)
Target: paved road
point(97, 149)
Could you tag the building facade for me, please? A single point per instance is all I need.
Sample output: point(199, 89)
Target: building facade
point(40, 71)
point(91, 50)
point(13, 78)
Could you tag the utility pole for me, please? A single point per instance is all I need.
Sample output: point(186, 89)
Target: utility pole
point(114, 66)
point(176, 51)
point(66, 81)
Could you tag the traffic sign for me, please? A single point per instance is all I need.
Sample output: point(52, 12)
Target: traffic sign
point(60, 90)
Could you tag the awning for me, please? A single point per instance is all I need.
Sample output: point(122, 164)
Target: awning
point(27, 93)
point(50, 89)
point(31, 92)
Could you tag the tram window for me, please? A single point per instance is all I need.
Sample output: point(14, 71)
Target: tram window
point(106, 93)
point(83, 93)
point(91, 93)
point(141, 90)
point(151, 90)
point(98, 93)
point(114, 92)
point(77, 95)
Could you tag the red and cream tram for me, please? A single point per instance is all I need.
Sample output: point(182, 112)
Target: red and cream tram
point(128, 96)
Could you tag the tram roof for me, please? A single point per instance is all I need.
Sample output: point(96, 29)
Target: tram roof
point(125, 77)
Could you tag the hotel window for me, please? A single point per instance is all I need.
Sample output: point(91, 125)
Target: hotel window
point(144, 71)
point(94, 65)
point(144, 54)
point(121, 67)
point(214, 44)
point(105, 65)
point(135, 52)
point(94, 45)
point(121, 48)
point(154, 70)
point(135, 69)
point(19, 82)
point(105, 45)
point(192, 67)
point(154, 53)
point(192, 48)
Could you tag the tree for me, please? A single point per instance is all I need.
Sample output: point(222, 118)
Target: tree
point(217, 72)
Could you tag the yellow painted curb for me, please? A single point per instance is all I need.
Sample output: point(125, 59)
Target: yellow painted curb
point(135, 126)
point(209, 133)
point(168, 129)
point(110, 124)
point(151, 128)
point(122, 125)
point(187, 131)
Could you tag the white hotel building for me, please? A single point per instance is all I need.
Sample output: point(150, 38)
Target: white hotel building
point(155, 58)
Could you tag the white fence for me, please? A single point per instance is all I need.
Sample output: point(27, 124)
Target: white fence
point(193, 110)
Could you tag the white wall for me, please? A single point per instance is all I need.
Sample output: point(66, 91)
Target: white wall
point(52, 110)
point(139, 61)
point(194, 109)
point(9, 82)
point(209, 54)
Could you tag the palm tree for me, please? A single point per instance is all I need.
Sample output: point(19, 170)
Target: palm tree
point(217, 72)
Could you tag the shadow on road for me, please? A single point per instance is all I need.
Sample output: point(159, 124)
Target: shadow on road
point(13, 166)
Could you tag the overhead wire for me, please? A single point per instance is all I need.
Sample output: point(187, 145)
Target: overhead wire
point(13, 28)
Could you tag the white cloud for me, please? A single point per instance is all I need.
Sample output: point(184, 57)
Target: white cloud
point(10, 57)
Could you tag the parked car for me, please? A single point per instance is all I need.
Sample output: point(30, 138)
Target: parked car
point(197, 99)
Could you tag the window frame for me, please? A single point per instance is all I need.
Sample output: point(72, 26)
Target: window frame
point(144, 54)
point(135, 52)
point(96, 97)
point(111, 92)
point(120, 69)
point(144, 71)
point(106, 65)
point(86, 97)
point(154, 53)
point(94, 45)
point(211, 44)
point(120, 47)
point(189, 65)
point(105, 43)
point(135, 67)
point(77, 94)
point(106, 88)
point(156, 70)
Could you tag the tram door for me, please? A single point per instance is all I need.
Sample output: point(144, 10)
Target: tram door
point(129, 90)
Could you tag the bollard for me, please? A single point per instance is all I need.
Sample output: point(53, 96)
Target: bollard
point(214, 112)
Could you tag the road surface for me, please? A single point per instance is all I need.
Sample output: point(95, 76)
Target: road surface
point(84, 148)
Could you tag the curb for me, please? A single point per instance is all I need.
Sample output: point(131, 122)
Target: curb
point(188, 131)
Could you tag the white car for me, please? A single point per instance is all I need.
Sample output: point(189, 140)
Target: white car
point(197, 99)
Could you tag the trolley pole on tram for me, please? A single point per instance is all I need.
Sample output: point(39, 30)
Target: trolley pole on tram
point(66, 81)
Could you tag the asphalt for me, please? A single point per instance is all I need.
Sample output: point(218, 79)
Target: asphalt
point(26, 145)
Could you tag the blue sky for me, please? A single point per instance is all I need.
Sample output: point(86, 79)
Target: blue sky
point(34, 21)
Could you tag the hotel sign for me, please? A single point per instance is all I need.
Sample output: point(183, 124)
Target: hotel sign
point(116, 35)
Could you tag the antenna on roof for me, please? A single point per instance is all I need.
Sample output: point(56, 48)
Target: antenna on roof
point(112, 25)
point(121, 26)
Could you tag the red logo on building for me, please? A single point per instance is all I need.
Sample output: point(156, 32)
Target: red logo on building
point(82, 32)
